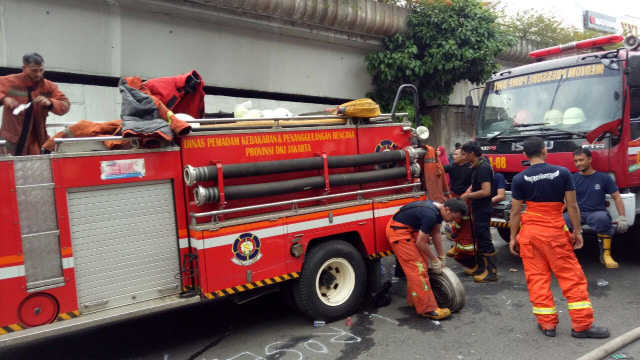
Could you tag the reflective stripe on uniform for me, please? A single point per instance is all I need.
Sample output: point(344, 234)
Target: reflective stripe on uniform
point(539, 310)
point(465, 247)
point(579, 305)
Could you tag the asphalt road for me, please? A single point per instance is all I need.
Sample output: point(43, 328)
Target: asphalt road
point(496, 323)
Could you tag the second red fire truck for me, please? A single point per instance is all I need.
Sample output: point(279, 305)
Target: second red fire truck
point(590, 100)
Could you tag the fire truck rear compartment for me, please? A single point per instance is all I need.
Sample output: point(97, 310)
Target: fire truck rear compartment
point(125, 243)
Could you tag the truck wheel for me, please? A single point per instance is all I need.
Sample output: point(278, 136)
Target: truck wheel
point(332, 282)
point(505, 234)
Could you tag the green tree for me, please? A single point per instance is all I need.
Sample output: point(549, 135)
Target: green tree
point(544, 28)
point(448, 41)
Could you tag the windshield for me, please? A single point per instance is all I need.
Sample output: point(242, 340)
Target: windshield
point(576, 99)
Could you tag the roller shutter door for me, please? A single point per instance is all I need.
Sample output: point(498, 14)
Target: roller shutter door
point(125, 244)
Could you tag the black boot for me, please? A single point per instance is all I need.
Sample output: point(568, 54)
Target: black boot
point(490, 272)
point(478, 268)
point(547, 332)
point(594, 333)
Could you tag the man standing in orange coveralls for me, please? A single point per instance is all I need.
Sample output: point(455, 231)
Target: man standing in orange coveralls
point(544, 242)
point(414, 253)
point(27, 98)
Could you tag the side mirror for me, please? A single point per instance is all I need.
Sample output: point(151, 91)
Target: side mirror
point(633, 79)
point(468, 107)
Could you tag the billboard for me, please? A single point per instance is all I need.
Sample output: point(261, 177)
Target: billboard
point(600, 22)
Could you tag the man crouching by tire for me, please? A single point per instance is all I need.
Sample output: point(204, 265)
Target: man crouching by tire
point(425, 219)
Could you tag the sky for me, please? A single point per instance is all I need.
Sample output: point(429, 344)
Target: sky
point(570, 11)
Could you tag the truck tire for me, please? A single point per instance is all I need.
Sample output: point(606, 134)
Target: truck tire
point(448, 290)
point(332, 282)
point(505, 234)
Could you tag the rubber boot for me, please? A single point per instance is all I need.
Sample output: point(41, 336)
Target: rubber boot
point(452, 251)
point(605, 252)
point(490, 272)
point(437, 314)
point(479, 266)
point(547, 332)
point(593, 333)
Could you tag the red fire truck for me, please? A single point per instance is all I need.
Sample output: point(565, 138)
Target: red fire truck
point(590, 100)
point(234, 210)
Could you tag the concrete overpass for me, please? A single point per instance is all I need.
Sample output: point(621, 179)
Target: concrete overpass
point(303, 55)
point(290, 52)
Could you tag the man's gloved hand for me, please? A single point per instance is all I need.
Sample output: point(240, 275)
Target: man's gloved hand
point(436, 266)
point(623, 226)
point(443, 260)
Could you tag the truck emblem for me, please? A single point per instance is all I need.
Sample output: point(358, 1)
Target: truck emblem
point(518, 146)
point(386, 145)
point(246, 249)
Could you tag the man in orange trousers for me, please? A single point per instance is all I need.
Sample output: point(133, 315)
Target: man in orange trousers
point(545, 244)
point(408, 232)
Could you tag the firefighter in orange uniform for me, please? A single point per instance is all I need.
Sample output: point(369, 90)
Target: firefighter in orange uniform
point(23, 128)
point(408, 232)
point(545, 244)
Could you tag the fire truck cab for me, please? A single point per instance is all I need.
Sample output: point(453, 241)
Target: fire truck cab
point(590, 100)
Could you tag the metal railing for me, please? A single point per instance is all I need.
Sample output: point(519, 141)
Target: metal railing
point(135, 141)
point(277, 119)
point(60, 124)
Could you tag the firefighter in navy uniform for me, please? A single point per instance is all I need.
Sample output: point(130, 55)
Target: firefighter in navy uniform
point(545, 244)
point(408, 233)
point(591, 188)
point(486, 267)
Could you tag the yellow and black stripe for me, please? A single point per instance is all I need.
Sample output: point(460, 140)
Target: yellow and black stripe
point(380, 254)
point(17, 327)
point(11, 328)
point(68, 316)
point(499, 224)
point(253, 285)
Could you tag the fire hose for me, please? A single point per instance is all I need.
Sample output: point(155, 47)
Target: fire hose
point(448, 290)
point(613, 345)
point(204, 195)
point(193, 175)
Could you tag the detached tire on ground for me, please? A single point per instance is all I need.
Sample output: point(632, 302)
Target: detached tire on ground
point(448, 290)
point(332, 282)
